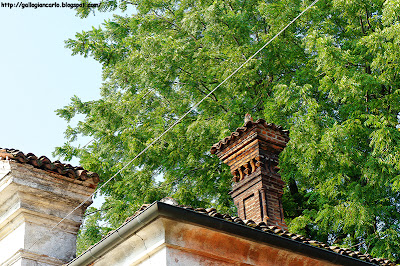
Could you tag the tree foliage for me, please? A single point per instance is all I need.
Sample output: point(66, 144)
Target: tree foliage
point(332, 79)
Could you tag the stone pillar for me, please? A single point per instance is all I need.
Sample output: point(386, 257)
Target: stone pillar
point(32, 201)
point(252, 153)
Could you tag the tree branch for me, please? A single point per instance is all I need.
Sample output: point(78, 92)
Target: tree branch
point(173, 24)
point(367, 16)
point(362, 26)
point(214, 97)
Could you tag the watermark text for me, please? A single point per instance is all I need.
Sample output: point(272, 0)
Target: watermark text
point(35, 5)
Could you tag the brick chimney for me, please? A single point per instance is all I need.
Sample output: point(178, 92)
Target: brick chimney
point(252, 153)
point(35, 194)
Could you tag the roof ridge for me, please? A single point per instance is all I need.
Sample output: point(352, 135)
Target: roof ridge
point(44, 163)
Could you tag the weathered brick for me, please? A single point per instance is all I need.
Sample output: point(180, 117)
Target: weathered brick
point(258, 195)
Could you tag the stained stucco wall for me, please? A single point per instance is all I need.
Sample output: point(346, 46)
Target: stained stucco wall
point(169, 242)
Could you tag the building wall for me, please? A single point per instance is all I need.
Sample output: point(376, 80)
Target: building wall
point(169, 242)
point(12, 242)
point(32, 202)
point(145, 247)
point(193, 245)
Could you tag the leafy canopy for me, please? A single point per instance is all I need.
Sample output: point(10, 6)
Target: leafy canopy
point(332, 79)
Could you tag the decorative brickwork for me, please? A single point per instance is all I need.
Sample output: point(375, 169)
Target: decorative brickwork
point(252, 153)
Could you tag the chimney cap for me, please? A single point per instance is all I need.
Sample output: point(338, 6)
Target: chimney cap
point(249, 124)
point(45, 164)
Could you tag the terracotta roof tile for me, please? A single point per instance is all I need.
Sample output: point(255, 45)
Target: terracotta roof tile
point(44, 163)
point(246, 127)
point(278, 231)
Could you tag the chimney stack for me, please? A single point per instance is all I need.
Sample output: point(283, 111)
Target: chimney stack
point(252, 153)
point(35, 194)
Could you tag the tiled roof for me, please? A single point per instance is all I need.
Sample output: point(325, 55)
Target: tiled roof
point(277, 231)
point(241, 130)
point(44, 163)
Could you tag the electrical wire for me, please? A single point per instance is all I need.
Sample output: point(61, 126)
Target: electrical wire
point(180, 119)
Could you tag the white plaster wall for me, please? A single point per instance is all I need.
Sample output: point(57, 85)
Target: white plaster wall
point(8, 207)
point(140, 248)
point(4, 167)
point(19, 262)
point(26, 258)
point(159, 258)
point(12, 242)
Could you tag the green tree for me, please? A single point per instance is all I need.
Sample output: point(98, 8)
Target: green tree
point(332, 79)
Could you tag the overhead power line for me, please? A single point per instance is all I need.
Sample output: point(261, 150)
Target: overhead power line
point(180, 119)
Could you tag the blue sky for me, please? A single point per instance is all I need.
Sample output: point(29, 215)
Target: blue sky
point(38, 75)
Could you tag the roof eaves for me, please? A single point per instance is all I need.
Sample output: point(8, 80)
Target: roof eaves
point(210, 218)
